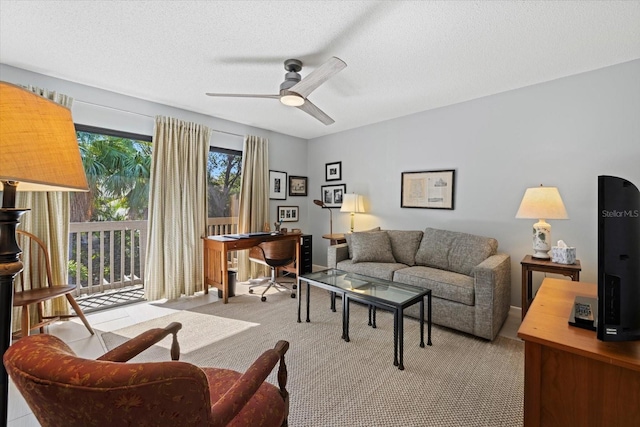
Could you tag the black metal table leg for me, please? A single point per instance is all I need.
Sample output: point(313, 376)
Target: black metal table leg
point(401, 338)
point(299, 301)
point(374, 318)
point(308, 300)
point(395, 338)
point(422, 323)
point(429, 318)
point(345, 317)
point(333, 302)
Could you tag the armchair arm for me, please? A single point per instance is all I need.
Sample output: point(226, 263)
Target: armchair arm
point(138, 344)
point(337, 253)
point(229, 405)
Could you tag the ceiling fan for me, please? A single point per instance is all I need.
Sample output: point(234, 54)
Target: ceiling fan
point(295, 90)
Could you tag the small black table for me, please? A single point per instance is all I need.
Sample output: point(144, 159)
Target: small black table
point(376, 293)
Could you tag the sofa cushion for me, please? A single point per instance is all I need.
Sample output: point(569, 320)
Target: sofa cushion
point(371, 247)
point(347, 237)
point(454, 251)
point(443, 284)
point(404, 245)
point(379, 270)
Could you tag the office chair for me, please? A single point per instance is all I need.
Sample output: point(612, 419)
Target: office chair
point(63, 389)
point(278, 253)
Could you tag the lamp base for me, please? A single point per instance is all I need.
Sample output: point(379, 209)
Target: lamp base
point(541, 239)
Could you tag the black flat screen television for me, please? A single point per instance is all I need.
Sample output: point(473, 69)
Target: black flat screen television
point(618, 260)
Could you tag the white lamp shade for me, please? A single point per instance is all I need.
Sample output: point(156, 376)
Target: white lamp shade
point(38, 145)
point(542, 202)
point(352, 203)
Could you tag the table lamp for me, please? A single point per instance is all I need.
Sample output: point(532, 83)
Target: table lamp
point(542, 203)
point(322, 205)
point(39, 151)
point(352, 203)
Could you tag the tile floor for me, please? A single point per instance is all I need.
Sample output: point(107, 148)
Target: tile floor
point(91, 346)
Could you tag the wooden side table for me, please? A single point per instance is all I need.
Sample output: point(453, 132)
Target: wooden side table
point(335, 238)
point(531, 264)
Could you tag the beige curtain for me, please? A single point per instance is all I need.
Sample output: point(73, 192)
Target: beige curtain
point(177, 209)
point(254, 198)
point(49, 220)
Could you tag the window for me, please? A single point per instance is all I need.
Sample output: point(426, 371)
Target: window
point(118, 167)
point(224, 171)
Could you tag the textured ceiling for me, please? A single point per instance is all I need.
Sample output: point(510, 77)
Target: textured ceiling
point(403, 56)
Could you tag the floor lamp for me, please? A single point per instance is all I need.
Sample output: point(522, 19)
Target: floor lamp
point(39, 151)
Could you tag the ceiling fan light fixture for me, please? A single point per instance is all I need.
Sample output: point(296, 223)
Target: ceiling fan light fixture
point(292, 100)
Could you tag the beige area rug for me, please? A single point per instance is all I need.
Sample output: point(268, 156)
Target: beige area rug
point(198, 330)
point(459, 381)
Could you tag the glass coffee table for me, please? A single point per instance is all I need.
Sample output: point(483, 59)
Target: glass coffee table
point(375, 293)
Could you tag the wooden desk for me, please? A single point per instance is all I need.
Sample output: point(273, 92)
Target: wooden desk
point(335, 238)
point(571, 378)
point(531, 264)
point(215, 257)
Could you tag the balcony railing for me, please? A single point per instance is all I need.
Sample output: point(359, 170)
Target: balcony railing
point(110, 255)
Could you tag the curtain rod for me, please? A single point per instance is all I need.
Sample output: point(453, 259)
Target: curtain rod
point(146, 115)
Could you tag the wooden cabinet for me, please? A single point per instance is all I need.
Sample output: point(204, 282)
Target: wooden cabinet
point(572, 378)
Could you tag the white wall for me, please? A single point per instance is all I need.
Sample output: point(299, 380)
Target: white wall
point(97, 107)
point(561, 133)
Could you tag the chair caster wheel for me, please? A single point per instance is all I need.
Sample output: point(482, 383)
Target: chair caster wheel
point(263, 299)
point(293, 295)
point(295, 286)
point(250, 291)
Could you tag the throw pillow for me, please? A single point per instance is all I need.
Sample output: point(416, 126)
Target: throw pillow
point(347, 237)
point(372, 247)
point(404, 245)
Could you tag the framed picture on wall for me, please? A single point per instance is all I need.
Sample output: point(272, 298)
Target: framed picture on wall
point(297, 185)
point(428, 189)
point(288, 213)
point(332, 195)
point(277, 185)
point(333, 171)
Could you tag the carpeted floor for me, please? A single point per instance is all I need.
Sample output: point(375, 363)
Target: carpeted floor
point(459, 381)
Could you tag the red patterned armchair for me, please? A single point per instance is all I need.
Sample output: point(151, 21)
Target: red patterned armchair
point(65, 390)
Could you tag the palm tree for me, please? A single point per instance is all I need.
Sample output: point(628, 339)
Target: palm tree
point(118, 171)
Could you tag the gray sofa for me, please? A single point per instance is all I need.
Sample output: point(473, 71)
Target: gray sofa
point(469, 280)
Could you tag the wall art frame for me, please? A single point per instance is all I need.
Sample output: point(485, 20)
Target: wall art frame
point(277, 185)
point(433, 189)
point(333, 171)
point(288, 213)
point(332, 195)
point(298, 185)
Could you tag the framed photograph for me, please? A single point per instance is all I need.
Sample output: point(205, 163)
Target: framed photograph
point(333, 171)
point(332, 195)
point(428, 189)
point(288, 213)
point(297, 185)
point(277, 185)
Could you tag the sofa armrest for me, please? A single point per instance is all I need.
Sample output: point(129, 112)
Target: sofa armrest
point(492, 279)
point(337, 253)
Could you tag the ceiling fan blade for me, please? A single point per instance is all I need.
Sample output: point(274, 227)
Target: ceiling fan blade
point(243, 95)
point(310, 108)
point(318, 76)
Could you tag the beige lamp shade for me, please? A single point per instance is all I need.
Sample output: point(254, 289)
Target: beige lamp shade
point(38, 145)
point(542, 202)
point(352, 202)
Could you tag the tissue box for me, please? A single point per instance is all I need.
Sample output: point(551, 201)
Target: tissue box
point(563, 255)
